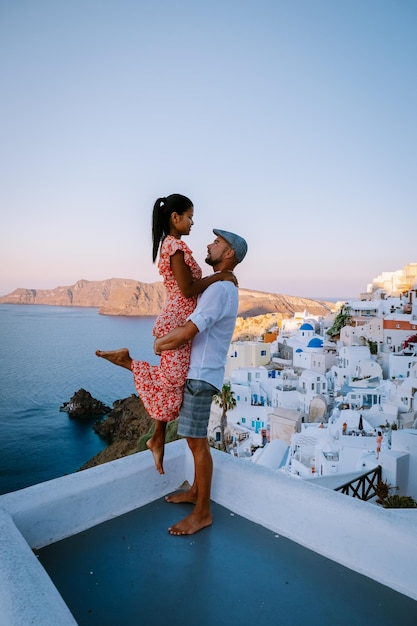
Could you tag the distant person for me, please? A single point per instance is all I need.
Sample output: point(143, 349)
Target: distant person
point(378, 444)
point(210, 328)
point(160, 387)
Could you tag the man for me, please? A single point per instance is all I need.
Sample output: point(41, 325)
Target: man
point(210, 327)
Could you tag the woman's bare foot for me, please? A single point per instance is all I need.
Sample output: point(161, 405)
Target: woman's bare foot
point(157, 450)
point(156, 444)
point(191, 524)
point(117, 357)
point(182, 496)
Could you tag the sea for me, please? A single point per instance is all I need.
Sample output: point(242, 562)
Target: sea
point(47, 353)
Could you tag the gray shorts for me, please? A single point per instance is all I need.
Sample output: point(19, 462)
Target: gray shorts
point(195, 408)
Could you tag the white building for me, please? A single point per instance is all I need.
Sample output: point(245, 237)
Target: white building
point(311, 384)
point(396, 282)
point(398, 327)
point(400, 365)
point(247, 354)
point(348, 361)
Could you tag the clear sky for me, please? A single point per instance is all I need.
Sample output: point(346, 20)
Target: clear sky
point(291, 122)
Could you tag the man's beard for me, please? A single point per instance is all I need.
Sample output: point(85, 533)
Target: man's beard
point(210, 261)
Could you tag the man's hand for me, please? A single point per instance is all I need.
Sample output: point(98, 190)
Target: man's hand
point(176, 338)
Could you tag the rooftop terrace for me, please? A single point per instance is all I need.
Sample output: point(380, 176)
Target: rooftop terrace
point(279, 550)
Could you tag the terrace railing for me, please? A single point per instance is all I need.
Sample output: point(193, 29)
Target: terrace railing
point(364, 487)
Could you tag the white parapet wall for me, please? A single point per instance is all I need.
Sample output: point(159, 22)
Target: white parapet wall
point(27, 595)
point(376, 542)
point(379, 543)
point(48, 512)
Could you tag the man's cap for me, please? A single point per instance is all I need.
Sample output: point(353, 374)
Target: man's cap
point(236, 242)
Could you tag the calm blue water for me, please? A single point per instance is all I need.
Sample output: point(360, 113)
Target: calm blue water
point(46, 355)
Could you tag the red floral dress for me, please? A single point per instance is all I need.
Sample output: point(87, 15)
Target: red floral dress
point(161, 386)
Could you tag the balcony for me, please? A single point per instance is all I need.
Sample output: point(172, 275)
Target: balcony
point(93, 548)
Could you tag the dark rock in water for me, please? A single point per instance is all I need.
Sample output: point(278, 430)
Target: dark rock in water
point(82, 405)
point(122, 429)
point(126, 429)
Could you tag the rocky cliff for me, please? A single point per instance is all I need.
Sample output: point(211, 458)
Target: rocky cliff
point(119, 296)
point(115, 296)
point(126, 429)
point(252, 303)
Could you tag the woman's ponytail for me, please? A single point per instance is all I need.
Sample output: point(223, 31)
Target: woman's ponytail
point(162, 210)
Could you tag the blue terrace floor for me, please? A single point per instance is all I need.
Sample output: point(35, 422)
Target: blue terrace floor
point(129, 570)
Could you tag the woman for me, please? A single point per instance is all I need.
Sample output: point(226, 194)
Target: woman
point(160, 387)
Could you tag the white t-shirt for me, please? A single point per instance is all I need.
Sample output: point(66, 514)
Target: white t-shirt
point(215, 318)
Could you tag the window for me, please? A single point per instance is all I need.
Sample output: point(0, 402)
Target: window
point(263, 352)
point(243, 420)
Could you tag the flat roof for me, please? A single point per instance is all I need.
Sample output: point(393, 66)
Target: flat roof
point(130, 570)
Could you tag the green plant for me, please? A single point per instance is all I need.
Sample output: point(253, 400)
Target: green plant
point(342, 319)
point(399, 502)
point(226, 401)
point(382, 491)
point(394, 501)
point(141, 442)
point(170, 435)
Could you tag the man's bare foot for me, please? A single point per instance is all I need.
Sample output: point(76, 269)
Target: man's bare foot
point(117, 357)
point(158, 454)
point(182, 496)
point(191, 524)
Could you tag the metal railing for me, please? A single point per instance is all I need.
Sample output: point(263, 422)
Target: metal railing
point(364, 487)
